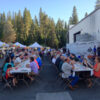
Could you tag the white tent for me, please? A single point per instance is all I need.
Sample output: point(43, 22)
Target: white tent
point(3, 44)
point(20, 45)
point(35, 45)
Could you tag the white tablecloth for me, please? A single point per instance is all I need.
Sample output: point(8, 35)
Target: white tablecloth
point(21, 68)
point(81, 68)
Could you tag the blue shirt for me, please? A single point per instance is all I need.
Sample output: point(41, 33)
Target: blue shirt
point(94, 49)
point(39, 61)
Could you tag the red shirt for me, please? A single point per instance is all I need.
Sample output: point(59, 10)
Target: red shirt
point(36, 63)
point(97, 74)
point(7, 75)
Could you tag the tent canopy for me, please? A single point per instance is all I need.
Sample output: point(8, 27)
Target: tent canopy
point(20, 45)
point(3, 44)
point(35, 45)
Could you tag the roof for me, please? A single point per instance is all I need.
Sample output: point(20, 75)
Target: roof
point(85, 18)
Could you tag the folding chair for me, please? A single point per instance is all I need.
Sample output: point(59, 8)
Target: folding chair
point(66, 81)
point(96, 80)
point(0, 74)
point(7, 83)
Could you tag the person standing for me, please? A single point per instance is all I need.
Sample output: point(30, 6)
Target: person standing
point(98, 51)
point(94, 50)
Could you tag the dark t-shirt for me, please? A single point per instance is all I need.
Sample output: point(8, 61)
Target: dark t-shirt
point(75, 58)
point(57, 62)
point(98, 51)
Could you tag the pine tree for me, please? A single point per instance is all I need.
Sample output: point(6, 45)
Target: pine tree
point(43, 22)
point(74, 16)
point(2, 22)
point(9, 16)
point(70, 21)
point(60, 31)
point(36, 30)
point(52, 37)
point(86, 14)
point(20, 28)
point(14, 21)
point(27, 23)
point(9, 33)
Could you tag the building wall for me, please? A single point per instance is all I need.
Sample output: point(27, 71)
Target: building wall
point(91, 25)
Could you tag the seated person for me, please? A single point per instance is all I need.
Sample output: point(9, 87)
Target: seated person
point(58, 61)
point(73, 57)
point(81, 59)
point(85, 62)
point(96, 69)
point(54, 59)
point(61, 62)
point(18, 60)
point(25, 56)
point(7, 62)
point(35, 57)
point(40, 54)
point(34, 68)
point(39, 61)
point(10, 77)
point(66, 69)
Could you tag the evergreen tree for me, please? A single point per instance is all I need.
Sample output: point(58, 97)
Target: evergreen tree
point(70, 21)
point(20, 28)
point(86, 14)
point(52, 38)
point(43, 29)
point(14, 21)
point(27, 23)
point(9, 16)
point(2, 22)
point(9, 33)
point(74, 16)
point(43, 22)
point(60, 31)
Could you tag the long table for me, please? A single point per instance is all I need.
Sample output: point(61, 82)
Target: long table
point(21, 70)
point(81, 68)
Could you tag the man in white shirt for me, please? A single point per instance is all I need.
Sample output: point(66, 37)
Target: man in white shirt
point(54, 60)
point(18, 60)
point(67, 68)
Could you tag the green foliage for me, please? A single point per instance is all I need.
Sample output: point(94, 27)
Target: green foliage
point(74, 16)
point(24, 29)
point(86, 14)
point(9, 33)
point(2, 22)
point(74, 19)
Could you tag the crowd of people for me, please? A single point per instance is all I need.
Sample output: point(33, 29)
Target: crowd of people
point(63, 59)
point(65, 63)
point(18, 56)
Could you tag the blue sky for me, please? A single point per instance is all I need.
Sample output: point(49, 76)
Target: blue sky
point(55, 8)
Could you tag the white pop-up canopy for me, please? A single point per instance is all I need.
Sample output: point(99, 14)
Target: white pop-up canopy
point(3, 44)
point(35, 45)
point(20, 45)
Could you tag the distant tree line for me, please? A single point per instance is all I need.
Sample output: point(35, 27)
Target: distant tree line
point(43, 29)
